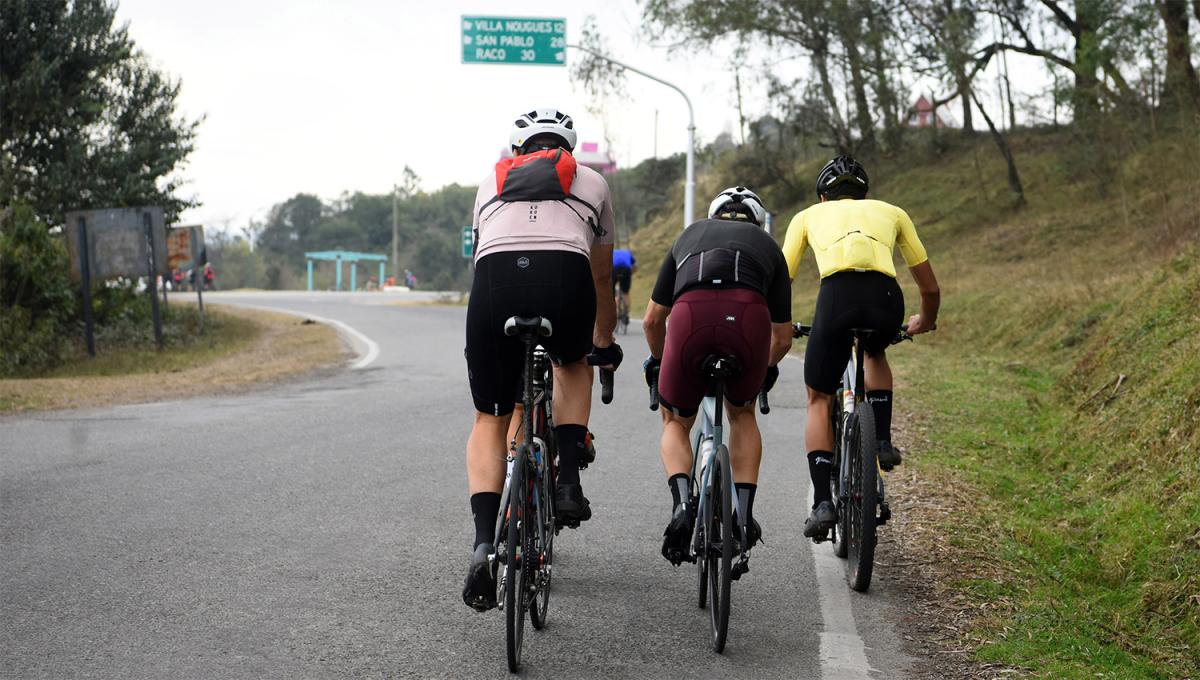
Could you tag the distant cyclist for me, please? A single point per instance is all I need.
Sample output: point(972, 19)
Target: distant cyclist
point(543, 234)
point(852, 239)
point(725, 286)
point(624, 265)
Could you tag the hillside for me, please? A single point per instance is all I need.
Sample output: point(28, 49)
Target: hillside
point(1061, 389)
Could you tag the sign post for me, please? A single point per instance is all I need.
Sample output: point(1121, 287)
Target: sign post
point(152, 280)
point(514, 40)
point(85, 273)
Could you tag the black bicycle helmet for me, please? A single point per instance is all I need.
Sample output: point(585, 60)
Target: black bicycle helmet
point(839, 171)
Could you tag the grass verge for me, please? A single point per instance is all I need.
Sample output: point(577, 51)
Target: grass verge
point(241, 348)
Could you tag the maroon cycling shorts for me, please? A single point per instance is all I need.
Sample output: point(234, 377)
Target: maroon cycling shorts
point(730, 321)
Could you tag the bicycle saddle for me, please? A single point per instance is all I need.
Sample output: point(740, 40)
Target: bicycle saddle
point(531, 325)
point(720, 365)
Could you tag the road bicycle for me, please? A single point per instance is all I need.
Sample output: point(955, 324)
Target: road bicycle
point(714, 541)
point(622, 311)
point(857, 483)
point(526, 525)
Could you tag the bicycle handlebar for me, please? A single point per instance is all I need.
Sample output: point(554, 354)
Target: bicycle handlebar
point(800, 330)
point(764, 407)
point(606, 386)
point(654, 396)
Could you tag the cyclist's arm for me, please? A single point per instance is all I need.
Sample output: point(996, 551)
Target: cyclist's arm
point(779, 302)
point(654, 322)
point(794, 243)
point(654, 325)
point(931, 298)
point(922, 272)
point(606, 306)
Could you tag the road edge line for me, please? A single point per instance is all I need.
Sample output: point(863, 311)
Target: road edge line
point(364, 360)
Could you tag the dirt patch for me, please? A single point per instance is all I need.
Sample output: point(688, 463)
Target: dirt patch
point(284, 346)
point(917, 555)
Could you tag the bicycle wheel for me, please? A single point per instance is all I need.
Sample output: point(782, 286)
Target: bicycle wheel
point(720, 547)
point(863, 498)
point(699, 549)
point(839, 530)
point(544, 537)
point(515, 585)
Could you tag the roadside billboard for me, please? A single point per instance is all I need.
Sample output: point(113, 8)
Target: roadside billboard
point(185, 248)
point(116, 242)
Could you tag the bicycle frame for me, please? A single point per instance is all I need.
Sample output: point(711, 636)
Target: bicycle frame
point(853, 393)
point(538, 393)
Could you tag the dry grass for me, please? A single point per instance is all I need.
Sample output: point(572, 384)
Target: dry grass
point(267, 347)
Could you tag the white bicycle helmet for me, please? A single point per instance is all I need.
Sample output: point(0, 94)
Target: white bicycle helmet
point(739, 201)
point(541, 122)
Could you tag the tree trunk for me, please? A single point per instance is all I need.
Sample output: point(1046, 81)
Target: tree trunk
point(1086, 97)
point(1181, 88)
point(1014, 178)
point(885, 96)
point(839, 126)
point(964, 88)
point(862, 110)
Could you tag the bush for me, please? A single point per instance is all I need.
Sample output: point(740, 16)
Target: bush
point(37, 305)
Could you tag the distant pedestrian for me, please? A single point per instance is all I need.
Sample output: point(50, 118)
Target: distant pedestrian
point(209, 277)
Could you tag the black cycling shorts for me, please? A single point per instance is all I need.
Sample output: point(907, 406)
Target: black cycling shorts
point(553, 284)
point(623, 278)
point(849, 300)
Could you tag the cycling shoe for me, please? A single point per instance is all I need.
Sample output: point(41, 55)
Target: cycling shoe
point(889, 456)
point(822, 519)
point(753, 534)
point(479, 588)
point(678, 535)
point(571, 505)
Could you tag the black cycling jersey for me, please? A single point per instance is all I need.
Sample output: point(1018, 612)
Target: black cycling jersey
point(715, 253)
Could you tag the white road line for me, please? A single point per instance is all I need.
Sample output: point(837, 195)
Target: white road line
point(843, 654)
point(364, 360)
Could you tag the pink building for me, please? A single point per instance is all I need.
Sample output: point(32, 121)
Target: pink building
point(923, 115)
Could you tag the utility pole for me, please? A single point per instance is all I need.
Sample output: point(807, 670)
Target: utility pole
point(689, 187)
point(395, 230)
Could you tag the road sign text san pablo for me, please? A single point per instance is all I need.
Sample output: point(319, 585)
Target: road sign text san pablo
point(514, 40)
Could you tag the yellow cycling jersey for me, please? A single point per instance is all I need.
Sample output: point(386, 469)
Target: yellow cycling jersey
point(849, 234)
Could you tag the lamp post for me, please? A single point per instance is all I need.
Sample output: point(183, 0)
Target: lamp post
point(689, 187)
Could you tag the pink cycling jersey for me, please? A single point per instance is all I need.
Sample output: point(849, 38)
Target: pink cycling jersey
point(543, 225)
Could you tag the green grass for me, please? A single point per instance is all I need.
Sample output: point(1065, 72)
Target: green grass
point(188, 341)
point(1087, 493)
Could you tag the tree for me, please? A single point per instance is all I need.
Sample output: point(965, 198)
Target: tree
point(85, 121)
point(1181, 87)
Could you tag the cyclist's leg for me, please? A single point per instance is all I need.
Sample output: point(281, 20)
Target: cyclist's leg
point(825, 357)
point(885, 316)
point(573, 313)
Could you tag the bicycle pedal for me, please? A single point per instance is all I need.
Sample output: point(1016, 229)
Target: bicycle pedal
point(742, 566)
point(885, 513)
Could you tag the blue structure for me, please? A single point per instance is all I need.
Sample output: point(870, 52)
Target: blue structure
point(340, 256)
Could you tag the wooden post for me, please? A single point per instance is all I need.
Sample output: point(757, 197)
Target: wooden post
point(153, 280)
point(85, 272)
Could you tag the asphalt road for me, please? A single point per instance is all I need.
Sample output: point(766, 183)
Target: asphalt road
point(320, 528)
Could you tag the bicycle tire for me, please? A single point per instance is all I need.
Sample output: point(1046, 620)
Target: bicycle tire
point(515, 586)
point(539, 602)
point(701, 554)
point(864, 488)
point(720, 551)
point(839, 529)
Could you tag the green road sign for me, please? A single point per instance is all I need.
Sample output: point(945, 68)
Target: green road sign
point(514, 40)
point(468, 242)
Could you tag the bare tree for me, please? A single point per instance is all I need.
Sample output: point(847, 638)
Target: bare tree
point(1181, 88)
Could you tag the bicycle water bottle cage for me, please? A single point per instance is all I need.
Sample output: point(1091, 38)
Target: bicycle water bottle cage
point(532, 325)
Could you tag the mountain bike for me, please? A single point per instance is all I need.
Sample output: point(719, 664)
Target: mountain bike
point(857, 483)
point(526, 525)
point(714, 542)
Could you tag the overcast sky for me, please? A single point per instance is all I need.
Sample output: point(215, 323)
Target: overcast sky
point(326, 97)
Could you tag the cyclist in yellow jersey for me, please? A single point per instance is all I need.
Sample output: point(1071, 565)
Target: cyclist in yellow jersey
point(852, 238)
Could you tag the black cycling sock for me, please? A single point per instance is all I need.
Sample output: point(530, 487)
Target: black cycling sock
point(820, 469)
point(484, 508)
point(681, 487)
point(572, 441)
point(881, 404)
point(745, 498)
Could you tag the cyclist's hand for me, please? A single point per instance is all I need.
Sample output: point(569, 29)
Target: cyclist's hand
point(650, 367)
point(606, 357)
point(772, 376)
point(917, 325)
